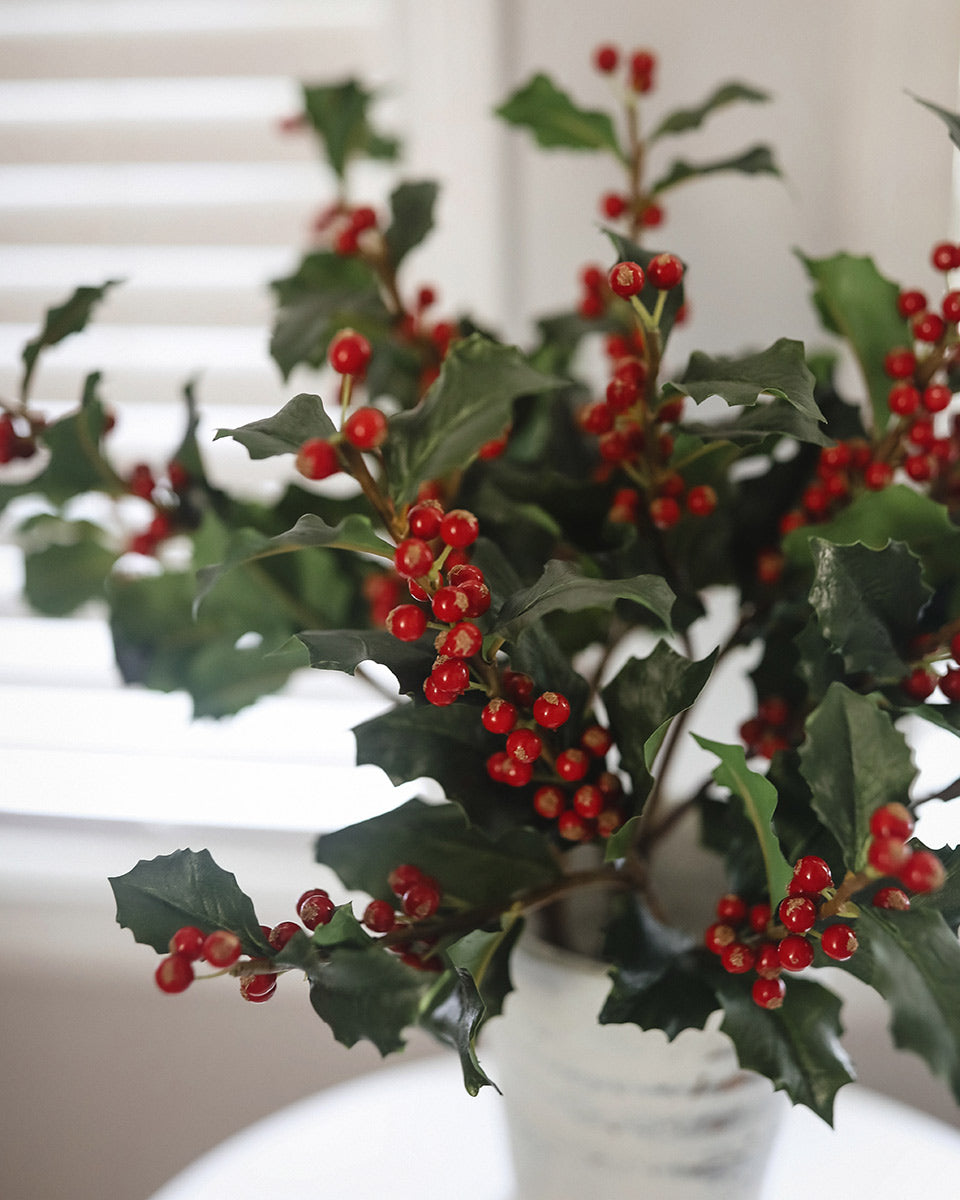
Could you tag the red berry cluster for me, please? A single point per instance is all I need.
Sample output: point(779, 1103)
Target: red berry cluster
point(18, 437)
point(166, 495)
point(342, 227)
point(420, 898)
point(775, 727)
point(221, 949)
point(889, 853)
point(922, 682)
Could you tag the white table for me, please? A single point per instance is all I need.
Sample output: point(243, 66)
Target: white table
point(412, 1133)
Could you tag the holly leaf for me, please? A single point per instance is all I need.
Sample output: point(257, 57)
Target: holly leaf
point(780, 370)
point(411, 205)
point(774, 419)
point(161, 895)
point(478, 870)
point(486, 955)
point(328, 292)
point(354, 532)
point(854, 761)
point(556, 121)
point(470, 403)
point(796, 1046)
point(301, 418)
point(913, 960)
point(338, 114)
point(59, 322)
point(563, 588)
point(345, 649)
point(896, 514)
point(758, 160)
point(856, 302)
point(867, 602)
point(759, 798)
point(683, 120)
point(454, 1018)
point(69, 571)
point(950, 119)
point(367, 994)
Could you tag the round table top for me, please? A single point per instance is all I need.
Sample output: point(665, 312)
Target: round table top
point(411, 1132)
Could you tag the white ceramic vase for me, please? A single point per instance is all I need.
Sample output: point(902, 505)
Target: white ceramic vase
point(615, 1111)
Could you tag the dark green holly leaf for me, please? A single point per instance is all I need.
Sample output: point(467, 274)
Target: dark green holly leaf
point(682, 120)
point(854, 760)
point(868, 603)
point(472, 867)
point(354, 532)
point(950, 119)
point(642, 701)
point(759, 799)
point(819, 665)
point(161, 895)
point(338, 113)
point(300, 418)
point(346, 649)
point(328, 292)
point(563, 588)
point(411, 205)
point(454, 1018)
point(780, 370)
point(59, 322)
point(898, 514)
point(469, 404)
point(223, 678)
point(554, 119)
point(486, 955)
point(913, 960)
point(76, 464)
point(70, 570)
point(367, 994)
point(772, 421)
point(758, 160)
point(856, 302)
point(797, 1046)
point(629, 251)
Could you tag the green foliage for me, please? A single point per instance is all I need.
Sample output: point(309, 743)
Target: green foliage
point(556, 121)
point(454, 1017)
point(301, 418)
point(758, 160)
point(684, 120)
point(69, 570)
point(950, 119)
point(411, 205)
point(64, 319)
point(338, 115)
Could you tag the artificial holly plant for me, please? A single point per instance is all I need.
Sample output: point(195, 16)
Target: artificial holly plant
point(511, 529)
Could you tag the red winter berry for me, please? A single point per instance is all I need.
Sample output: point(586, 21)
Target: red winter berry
point(877, 476)
point(459, 528)
point(257, 988)
point(731, 908)
point(421, 900)
point(945, 256)
point(812, 874)
point(910, 303)
point(572, 827)
point(719, 936)
point(551, 710)
point(795, 952)
point(499, 715)
point(451, 675)
point(892, 820)
point(626, 279)
point(379, 916)
point(403, 877)
point(768, 993)
point(366, 428)
point(524, 745)
point(588, 801)
point(642, 66)
point(839, 942)
point(758, 918)
point(451, 604)
point(612, 205)
point(903, 399)
point(596, 740)
point(919, 684)
point(349, 353)
point(518, 687)
point(549, 801)
point(424, 519)
point(315, 908)
point(950, 685)
point(767, 964)
point(606, 58)
point(798, 914)
point(922, 872)
point(438, 696)
point(572, 765)
point(664, 512)
point(407, 622)
point(950, 307)
point(891, 897)
point(187, 942)
point(737, 958)
point(280, 934)
point(413, 558)
point(701, 500)
point(464, 640)
point(665, 271)
point(221, 948)
point(174, 974)
point(888, 855)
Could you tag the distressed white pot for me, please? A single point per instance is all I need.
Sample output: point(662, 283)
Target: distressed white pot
point(615, 1111)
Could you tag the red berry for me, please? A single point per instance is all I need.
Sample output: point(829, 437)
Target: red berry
point(524, 745)
point(795, 952)
point(499, 715)
point(379, 916)
point(407, 622)
point(892, 820)
point(877, 476)
point(911, 303)
point(950, 307)
point(919, 684)
point(221, 948)
point(187, 942)
point(888, 855)
point(737, 958)
point(891, 897)
point(280, 934)
point(922, 872)
point(768, 993)
point(551, 710)
point(366, 428)
point(701, 500)
point(572, 827)
point(642, 66)
point(451, 604)
point(421, 900)
point(900, 363)
point(950, 685)
point(459, 528)
point(626, 279)
point(945, 256)
point(464, 640)
point(665, 271)
point(798, 913)
point(731, 908)
point(349, 353)
point(588, 801)
point(652, 216)
point(812, 874)
point(928, 327)
point(596, 740)
point(518, 687)
point(549, 802)
point(758, 917)
point(613, 206)
point(936, 397)
point(257, 988)
point(839, 942)
point(438, 696)
point(572, 765)
point(767, 964)
point(451, 675)
point(606, 58)
point(413, 558)
point(174, 974)
point(903, 399)
point(424, 519)
point(719, 936)
point(403, 877)
point(664, 512)
point(316, 909)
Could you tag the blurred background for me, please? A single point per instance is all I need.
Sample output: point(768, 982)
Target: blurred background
point(144, 140)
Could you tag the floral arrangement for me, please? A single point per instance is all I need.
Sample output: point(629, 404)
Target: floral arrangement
point(527, 552)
